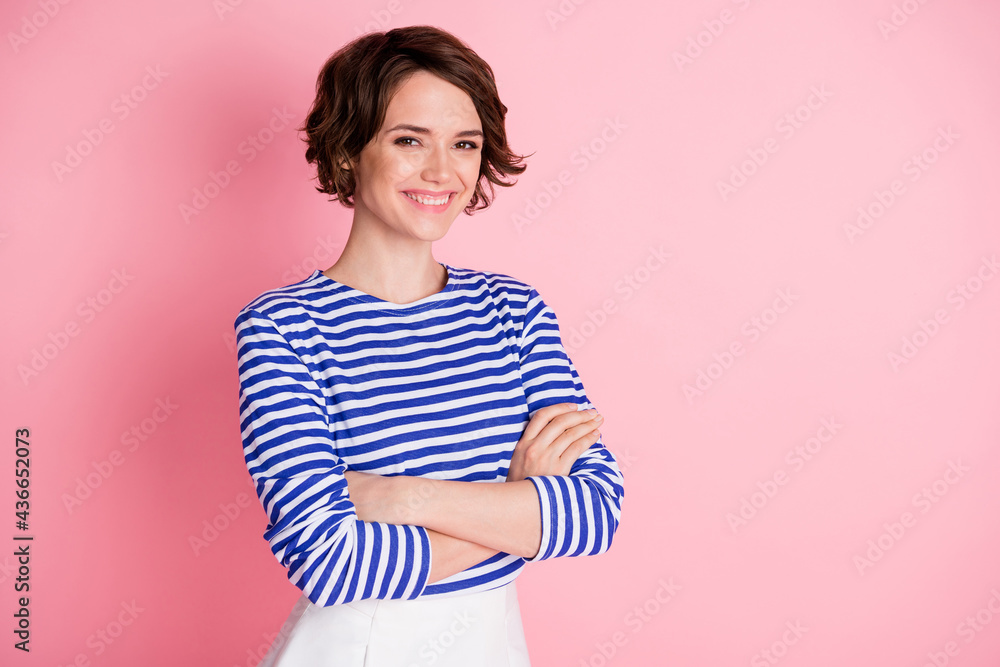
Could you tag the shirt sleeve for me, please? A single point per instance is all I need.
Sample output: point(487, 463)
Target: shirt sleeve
point(312, 526)
point(581, 511)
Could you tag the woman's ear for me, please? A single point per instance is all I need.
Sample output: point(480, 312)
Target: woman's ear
point(346, 163)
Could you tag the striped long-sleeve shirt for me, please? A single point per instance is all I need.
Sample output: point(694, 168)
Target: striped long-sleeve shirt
point(334, 379)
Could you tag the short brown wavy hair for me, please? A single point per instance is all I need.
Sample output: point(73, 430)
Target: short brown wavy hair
point(354, 88)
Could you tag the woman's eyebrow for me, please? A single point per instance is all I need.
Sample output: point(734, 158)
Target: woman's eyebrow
point(423, 130)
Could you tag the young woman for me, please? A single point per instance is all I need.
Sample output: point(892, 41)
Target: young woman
point(415, 430)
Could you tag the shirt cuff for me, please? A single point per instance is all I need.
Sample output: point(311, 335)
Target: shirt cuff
point(427, 557)
point(549, 498)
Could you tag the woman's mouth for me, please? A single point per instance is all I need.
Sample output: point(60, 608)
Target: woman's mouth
point(434, 204)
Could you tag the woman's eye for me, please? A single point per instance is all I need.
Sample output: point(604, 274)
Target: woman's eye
point(413, 141)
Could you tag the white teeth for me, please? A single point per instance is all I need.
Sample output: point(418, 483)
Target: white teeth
point(427, 201)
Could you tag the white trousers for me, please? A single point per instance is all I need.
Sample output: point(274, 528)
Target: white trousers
point(477, 629)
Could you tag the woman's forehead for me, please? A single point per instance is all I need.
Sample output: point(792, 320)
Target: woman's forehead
point(426, 100)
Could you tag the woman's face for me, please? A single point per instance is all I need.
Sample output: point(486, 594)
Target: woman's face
point(420, 170)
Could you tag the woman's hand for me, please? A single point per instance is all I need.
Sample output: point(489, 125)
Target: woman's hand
point(553, 440)
point(375, 497)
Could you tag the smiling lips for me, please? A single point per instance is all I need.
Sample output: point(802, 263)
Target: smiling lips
point(429, 198)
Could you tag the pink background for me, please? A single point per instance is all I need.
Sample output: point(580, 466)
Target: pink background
point(631, 144)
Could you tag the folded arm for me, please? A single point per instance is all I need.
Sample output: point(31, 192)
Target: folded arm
point(313, 529)
point(540, 517)
point(502, 517)
point(580, 511)
point(573, 504)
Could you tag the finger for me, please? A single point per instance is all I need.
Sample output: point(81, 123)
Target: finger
point(543, 417)
point(564, 422)
point(556, 437)
point(576, 450)
point(571, 435)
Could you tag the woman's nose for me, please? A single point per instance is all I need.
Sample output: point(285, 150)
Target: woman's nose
point(435, 168)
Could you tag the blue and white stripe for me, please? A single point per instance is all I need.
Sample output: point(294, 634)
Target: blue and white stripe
point(332, 379)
